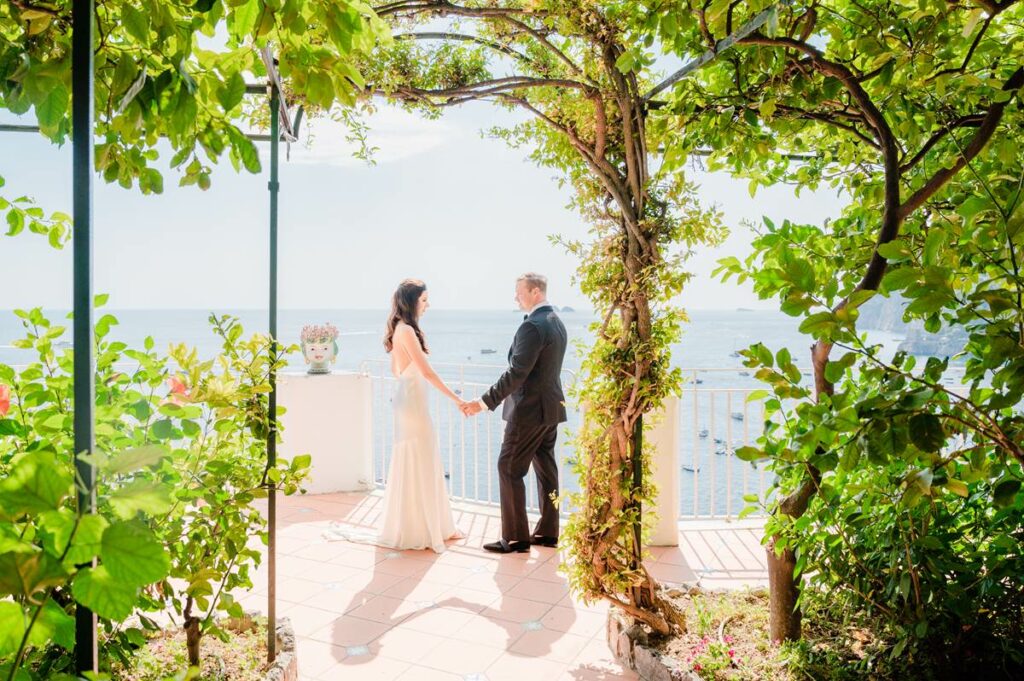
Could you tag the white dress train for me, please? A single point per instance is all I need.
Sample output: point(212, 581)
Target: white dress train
point(417, 513)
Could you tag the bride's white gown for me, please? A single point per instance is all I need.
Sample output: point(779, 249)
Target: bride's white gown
point(417, 514)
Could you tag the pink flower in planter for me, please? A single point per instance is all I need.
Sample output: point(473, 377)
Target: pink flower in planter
point(5, 399)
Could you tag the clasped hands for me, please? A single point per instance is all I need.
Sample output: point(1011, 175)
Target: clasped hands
point(470, 408)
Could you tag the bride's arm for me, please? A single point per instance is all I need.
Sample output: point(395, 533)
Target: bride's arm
point(411, 344)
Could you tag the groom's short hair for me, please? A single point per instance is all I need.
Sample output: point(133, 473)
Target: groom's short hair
point(534, 280)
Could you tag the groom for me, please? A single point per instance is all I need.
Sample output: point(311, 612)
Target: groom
point(531, 389)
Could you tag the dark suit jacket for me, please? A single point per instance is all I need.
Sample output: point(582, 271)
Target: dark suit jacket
point(532, 386)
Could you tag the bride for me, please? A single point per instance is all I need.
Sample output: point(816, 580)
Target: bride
point(417, 513)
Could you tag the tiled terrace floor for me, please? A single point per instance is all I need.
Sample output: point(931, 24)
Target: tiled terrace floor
point(362, 612)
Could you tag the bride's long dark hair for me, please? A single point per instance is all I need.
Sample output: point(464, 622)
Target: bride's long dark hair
point(405, 305)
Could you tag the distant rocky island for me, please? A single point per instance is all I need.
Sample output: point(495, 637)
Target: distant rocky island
point(566, 308)
point(886, 314)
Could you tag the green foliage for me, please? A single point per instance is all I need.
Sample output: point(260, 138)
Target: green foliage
point(157, 76)
point(178, 471)
point(22, 214)
point(912, 111)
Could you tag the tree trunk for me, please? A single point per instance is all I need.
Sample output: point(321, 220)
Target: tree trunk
point(192, 636)
point(784, 615)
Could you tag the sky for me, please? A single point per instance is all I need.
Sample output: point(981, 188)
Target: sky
point(443, 203)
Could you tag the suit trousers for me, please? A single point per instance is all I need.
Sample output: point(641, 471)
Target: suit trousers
point(522, 446)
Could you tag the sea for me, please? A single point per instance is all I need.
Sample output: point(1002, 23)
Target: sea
point(469, 349)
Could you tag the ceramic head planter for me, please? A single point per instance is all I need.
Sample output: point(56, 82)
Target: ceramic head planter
point(319, 347)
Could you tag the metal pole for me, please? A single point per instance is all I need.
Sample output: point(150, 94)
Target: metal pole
point(275, 137)
point(86, 640)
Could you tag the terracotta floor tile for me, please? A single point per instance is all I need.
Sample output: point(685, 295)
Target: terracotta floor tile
point(297, 590)
point(418, 673)
point(460, 657)
point(349, 631)
point(366, 668)
point(549, 644)
point(405, 567)
point(356, 558)
point(439, 621)
point(384, 609)
point(322, 551)
point(495, 633)
point(513, 667)
point(516, 609)
point(537, 590)
point(338, 599)
point(306, 619)
point(316, 657)
point(419, 589)
point(574, 621)
point(408, 645)
point(372, 582)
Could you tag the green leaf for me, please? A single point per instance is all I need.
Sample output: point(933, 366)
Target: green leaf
point(131, 553)
point(140, 496)
point(625, 62)
point(53, 107)
point(12, 627)
point(819, 324)
point(26, 573)
point(136, 22)
point(231, 92)
point(37, 483)
point(900, 278)
point(957, 487)
point(926, 432)
point(108, 597)
point(57, 528)
point(1004, 492)
point(53, 624)
point(137, 458)
point(750, 454)
point(162, 429)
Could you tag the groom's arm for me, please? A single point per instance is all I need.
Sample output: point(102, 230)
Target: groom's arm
point(525, 351)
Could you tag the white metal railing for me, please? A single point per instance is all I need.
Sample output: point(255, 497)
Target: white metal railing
point(469, 447)
point(714, 423)
point(713, 480)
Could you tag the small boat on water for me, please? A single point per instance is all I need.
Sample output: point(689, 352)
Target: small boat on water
point(487, 351)
point(737, 416)
point(719, 441)
point(703, 433)
point(744, 373)
point(691, 469)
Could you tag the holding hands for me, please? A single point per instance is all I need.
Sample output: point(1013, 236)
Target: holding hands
point(470, 408)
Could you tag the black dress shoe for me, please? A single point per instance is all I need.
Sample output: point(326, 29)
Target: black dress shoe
point(502, 546)
point(541, 540)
